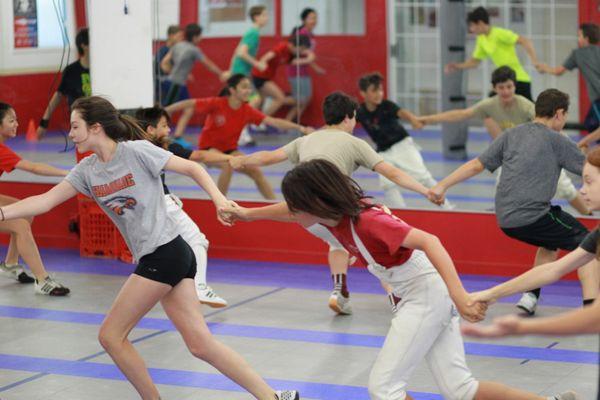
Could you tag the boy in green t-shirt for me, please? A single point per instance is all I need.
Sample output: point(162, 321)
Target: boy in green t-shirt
point(499, 44)
point(244, 57)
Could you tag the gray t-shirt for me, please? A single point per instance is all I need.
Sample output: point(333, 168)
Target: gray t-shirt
point(587, 59)
point(338, 147)
point(129, 190)
point(590, 243)
point(531, 156)
point(183, 54)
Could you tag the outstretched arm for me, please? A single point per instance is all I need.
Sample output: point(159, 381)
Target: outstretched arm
point(400, 177)
point(447, 116)
point(529, 49)
point(209, 157)
point(189, 104)
point(468, 64)
point(464, 172)
point(581, 321)
point(40, 204)
point(546, 69)
point(539, 276)
point(439, 257)
point(274, 212)
point(284, 124)
point(52, 104)
point(203, 179)
point(258, 159)
point(40, 168)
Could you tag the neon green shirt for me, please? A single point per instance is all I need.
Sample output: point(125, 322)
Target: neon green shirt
point(251, 39)
point(499, 45)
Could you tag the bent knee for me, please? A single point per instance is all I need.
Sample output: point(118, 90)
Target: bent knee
point(465, 390)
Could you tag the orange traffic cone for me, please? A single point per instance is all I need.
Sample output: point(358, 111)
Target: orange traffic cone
point(31, 135)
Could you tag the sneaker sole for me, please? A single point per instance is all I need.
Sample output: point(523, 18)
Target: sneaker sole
point(526, 311)
point(333, 304)
point(211, 304)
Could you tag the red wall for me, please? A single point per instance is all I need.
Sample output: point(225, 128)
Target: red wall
point(338, 54)
point(473, 240)
point(589, 11)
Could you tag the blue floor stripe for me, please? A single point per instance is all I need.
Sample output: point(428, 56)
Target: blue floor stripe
point(305, 335)
point(185, 378)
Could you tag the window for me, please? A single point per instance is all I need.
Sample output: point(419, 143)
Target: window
point(165, 14)
point(335, 17)
point(221, 18)
point(35, 32)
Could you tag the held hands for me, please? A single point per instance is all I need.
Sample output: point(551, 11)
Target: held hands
point(233, 212)
point(223, 215)
point(472, 312)
point(417, 123)
point(223, 76)
point(541, 67)
point(436, 194)
point(500, 327)
point(237, 163)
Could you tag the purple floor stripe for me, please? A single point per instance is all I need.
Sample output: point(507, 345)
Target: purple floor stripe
point(305, 335)
point(185, 378)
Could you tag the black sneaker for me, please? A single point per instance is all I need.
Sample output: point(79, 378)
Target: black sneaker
point(24, 278)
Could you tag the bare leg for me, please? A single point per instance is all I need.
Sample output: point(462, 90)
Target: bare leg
point(255, 173)
point(590, 280)
point(270, 89)
point(12, 255)
point(338, 262)
point(25, 245)
point(224, 179)
point(498, 391)
point(137, 296)
point(184, 118)
point(181, 305)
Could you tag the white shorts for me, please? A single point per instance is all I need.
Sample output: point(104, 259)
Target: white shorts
point(426, 326)
point(188, 229)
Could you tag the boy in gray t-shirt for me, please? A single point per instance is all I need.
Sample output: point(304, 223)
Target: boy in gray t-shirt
point(532, 156)
point(587, 59)
point(179, 61)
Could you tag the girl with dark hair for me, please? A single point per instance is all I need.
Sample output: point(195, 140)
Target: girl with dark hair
point(123, 177)
point(420, 271)
point(298, 73)
point(226, 116)
point(155, 121)
point(586, 320)
point(22, 242)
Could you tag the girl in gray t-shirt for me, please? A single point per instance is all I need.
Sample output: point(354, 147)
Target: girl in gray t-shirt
point(123, 177)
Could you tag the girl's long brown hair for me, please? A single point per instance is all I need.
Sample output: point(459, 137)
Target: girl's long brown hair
point(319, 188)
point(118, 127)
point(593, 158)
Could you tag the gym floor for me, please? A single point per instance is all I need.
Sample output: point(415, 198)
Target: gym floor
point(277, 317)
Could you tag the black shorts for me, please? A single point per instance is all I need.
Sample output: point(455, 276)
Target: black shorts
point(170, 263)
point(555, 230)
point(259, 82)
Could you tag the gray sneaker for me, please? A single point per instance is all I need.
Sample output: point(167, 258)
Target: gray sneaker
point(570, 395)
point(16, 272)
point(528, 303)
point(287, 395)
point(339, 303)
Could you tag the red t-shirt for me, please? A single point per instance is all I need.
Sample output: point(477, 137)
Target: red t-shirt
point(283, 55)
point(223, 124)
point(381, 233)
point(8, 159)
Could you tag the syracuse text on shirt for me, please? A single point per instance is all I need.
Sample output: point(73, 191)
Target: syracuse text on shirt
point(112, 187)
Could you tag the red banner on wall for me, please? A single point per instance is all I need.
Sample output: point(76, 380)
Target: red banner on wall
point(25, 23)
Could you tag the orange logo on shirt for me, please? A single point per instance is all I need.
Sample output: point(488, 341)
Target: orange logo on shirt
point(114, 186)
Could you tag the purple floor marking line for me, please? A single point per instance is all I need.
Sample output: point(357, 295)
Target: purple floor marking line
point(297, 276)
point(185, 378)
point(305, 335)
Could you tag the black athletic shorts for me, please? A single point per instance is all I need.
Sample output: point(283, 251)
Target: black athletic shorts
point(555, 230)
point(170, 263)
point(259, 82)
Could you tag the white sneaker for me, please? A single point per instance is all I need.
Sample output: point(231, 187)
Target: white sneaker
point(339, 303)
point(287, 395)
point(570, 395)
point(50, 287)
point(528, 303)
point(207, 296)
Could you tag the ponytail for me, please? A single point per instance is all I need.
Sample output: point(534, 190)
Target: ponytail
point(132, 130)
